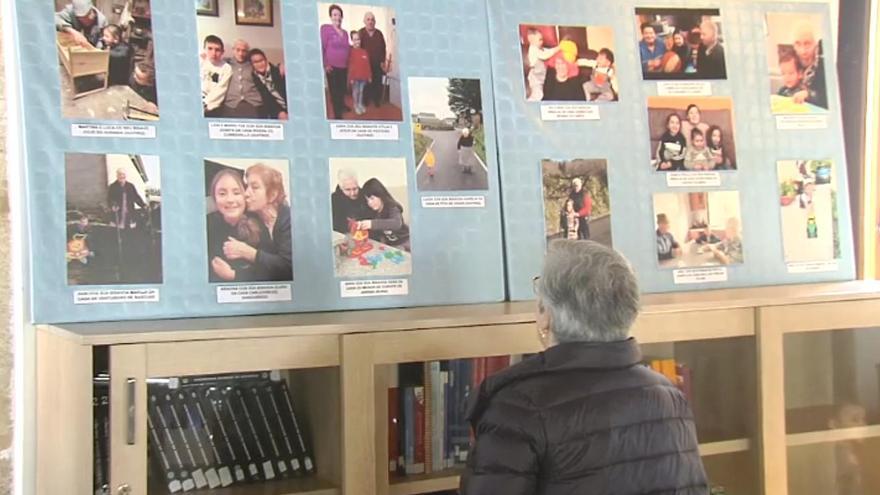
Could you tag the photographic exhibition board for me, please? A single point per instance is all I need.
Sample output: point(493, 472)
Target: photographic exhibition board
point(137, 247)
point(611, 143)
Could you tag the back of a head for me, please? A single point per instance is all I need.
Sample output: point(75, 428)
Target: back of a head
point(590, 291)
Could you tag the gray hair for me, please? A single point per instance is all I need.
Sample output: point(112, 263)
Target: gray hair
point(345, 174)
point(590, 292)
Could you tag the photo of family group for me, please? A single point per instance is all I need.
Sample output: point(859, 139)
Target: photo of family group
point(691, 133)
point(577, 204)
point(698, 229)
point(449, 139)
point(106, 59)
point(114, 219)
point(568, 63)
point(248, 220)
point(681, 43)
point(361, 67)
point(371, 217)
point(241, 59)
point(808, 204)
point(796, 63)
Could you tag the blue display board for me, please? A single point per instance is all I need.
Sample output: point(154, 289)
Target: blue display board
point(772, 166)
point(79, 220)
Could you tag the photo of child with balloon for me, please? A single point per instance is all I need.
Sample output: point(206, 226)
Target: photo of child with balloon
point(568, 63)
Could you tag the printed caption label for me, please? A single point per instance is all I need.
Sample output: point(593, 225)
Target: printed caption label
point(253, 293)
point(684, 88)
point(453, 201)
point(801, 122)
point(132, 131)
point(261, 131)
point(569, 112)
point(693, 179)
point(366, 131)
point(115, 296)
point(813, 266)
point(699, 275)
point(374, 288)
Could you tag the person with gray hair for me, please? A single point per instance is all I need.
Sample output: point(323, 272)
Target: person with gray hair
point(710, 54)
point(347, 202)
point(583, 416)
point(83, 21)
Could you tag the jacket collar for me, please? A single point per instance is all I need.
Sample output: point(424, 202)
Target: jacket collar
point(586, 356)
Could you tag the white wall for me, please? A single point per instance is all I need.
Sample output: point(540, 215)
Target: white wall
point(675, 206)
point(265, 38)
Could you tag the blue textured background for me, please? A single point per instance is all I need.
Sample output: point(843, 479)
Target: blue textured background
point(621, 138)
point(457, 253)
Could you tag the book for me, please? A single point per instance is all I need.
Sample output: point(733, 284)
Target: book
point(393, 428)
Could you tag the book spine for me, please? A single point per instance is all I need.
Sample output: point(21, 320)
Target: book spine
point(409, 431)
point(420, 421)
point(307, 458)
point(436, 420)
point(441, 420)
point(291, 455)
point(428, 418)
point(393, 428)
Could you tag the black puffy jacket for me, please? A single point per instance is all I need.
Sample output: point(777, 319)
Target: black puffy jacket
point(582, 419)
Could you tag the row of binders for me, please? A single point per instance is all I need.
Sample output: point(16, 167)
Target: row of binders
point(215, 431)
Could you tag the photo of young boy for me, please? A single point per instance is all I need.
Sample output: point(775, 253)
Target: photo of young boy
point(242, 66)
point(568, 63)
point(577, 203)
point(106, 61)
point(359, 57)
point(808, 208)
point(680, 43)
point(114, 219)
point(796, 63)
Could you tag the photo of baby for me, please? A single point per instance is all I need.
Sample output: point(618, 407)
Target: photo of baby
point(691, 133)
point(106, 60)
point(568, 63)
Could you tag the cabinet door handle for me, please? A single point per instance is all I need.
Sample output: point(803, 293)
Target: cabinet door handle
point(123, 489)
point(130, 404)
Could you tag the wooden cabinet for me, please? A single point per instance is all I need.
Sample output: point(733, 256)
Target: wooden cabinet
point(753, 354)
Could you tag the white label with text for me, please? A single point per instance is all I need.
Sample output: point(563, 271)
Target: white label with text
point(374, 288)
point(684, 88)
point(261, 131)
point(569, 112)
point(813, 266)
point(258, 293)
point(453, 201)
point(134, 131)
point(693, 179)
point(699, 275)
point(115, 296)
point(801, 122)
point(366, 131)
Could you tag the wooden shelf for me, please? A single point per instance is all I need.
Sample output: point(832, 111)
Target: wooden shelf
point(293, 486)
point(828, 436)
point(725, 447)
point(425, 483)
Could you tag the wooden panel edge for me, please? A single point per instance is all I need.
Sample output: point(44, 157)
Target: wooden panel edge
point(771, 407)
point(827, 316)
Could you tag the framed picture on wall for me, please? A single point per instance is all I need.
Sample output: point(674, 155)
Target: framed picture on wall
point(253, 12)
point(207, 7)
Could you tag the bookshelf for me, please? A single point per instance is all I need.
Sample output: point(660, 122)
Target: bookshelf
point(338, 365)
